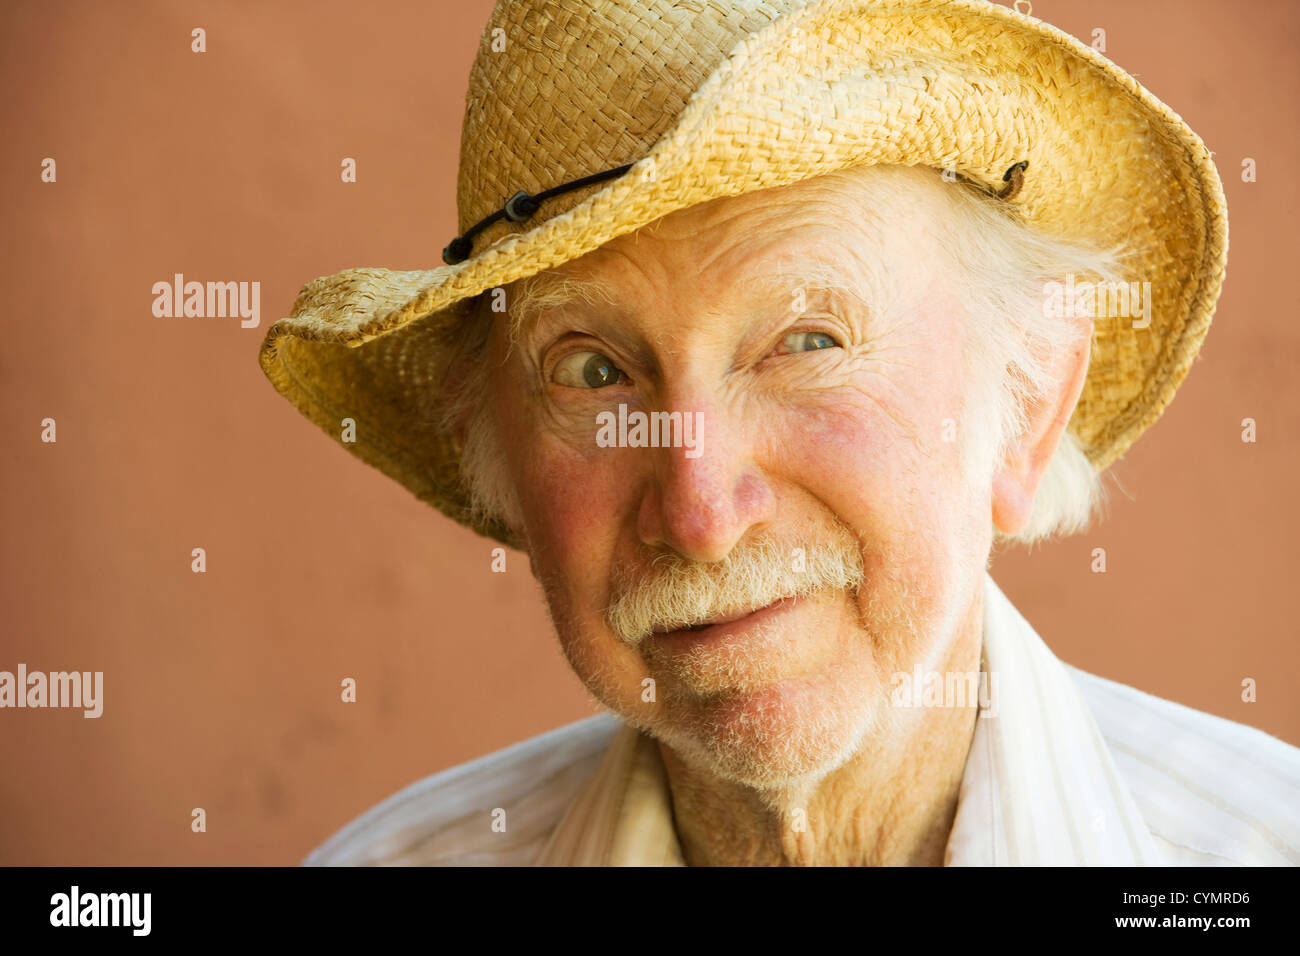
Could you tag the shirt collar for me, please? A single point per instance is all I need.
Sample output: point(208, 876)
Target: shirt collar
point(1039, 787)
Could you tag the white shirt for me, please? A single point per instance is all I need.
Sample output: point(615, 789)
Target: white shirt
point(1068, 769)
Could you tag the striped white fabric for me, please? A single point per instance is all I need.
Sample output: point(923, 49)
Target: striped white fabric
point(1069, 769)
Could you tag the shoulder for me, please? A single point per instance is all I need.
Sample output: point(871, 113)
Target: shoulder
point(1212, 791)
point(447, 818)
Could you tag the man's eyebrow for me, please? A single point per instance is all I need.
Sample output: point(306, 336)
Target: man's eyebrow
point(809, 285)
point(806, 277)
point(550, 290)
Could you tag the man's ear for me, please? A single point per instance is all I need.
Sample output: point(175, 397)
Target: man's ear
point(453, 385)
point(468, 348)
point(1017, 478)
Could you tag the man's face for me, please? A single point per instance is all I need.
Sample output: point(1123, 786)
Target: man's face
point(824, 465)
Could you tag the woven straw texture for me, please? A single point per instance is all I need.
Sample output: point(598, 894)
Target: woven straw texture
point(719, 98)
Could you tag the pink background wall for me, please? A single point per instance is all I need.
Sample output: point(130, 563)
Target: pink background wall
point(222, 689)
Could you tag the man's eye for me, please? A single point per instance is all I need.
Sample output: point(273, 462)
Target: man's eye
point(806, 342)
point(587, 370)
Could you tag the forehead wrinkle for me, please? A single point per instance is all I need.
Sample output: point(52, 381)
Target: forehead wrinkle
point(789, 260)
point(799, 205)
point(795, 221)
point(844, 260)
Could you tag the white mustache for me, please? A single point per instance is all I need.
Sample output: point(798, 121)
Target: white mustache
point(676, 593)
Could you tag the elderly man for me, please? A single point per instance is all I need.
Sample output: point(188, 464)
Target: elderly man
point(765, 321)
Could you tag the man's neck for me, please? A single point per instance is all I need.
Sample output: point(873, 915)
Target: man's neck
point(892, 803)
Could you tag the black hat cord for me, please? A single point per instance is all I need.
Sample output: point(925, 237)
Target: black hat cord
point(521, 206)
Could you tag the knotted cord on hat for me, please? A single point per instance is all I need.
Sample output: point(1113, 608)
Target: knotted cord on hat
point(519, 208)
point(1014, 179)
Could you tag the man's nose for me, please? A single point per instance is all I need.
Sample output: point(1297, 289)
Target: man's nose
point(700, 502)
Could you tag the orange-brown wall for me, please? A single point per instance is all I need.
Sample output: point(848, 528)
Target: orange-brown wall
point(222, 688)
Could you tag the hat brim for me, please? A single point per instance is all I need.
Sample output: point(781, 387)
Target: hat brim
point(967, 86)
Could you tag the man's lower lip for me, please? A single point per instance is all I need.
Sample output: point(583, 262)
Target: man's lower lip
point(726, 628)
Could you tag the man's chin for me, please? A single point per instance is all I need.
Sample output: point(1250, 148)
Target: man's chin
point(790, 734)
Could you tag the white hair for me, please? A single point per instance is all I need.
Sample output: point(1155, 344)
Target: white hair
point(1004, 265)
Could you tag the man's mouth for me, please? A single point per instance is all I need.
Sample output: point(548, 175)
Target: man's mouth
point(726, 622)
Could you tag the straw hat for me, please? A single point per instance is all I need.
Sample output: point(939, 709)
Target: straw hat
point(669, 103)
